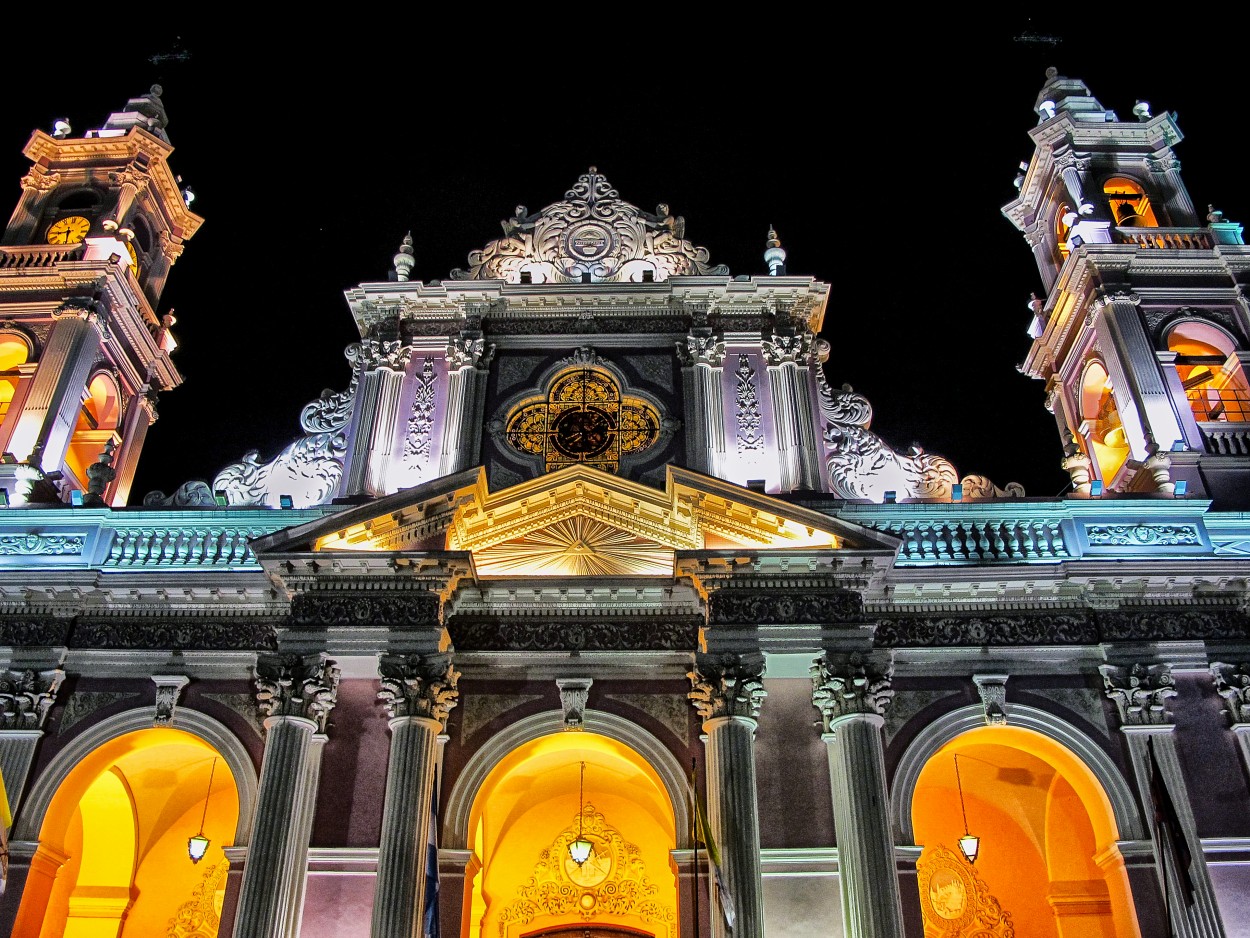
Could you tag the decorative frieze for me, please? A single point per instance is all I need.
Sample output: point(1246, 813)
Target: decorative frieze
point(727, 685)
point(574, 692)
point(29, 545)
point(168, 689)
point(242, 634)
point(416, 685)
point(1143, 535)
point(759, 607)
point(1165, 624)
point(641, 634)
point(1232, 682)
point(418, 437)
point(992, 689)
point(843, 684)
point(18, 631)
point(750, 437)
point(297, 686)
point(1140, 692)
point(26, 697)
point(407, 610)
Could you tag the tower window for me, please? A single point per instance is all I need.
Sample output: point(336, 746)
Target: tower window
point(1210, 372)
point(1063, 227)
point(97, 424)
point(1101, 422)
point(583, 419)
point(14, 351)
point(1129, 204)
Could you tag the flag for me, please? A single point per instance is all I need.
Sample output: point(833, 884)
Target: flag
point(430, 927)
point(1166, 820)
point(703, 835)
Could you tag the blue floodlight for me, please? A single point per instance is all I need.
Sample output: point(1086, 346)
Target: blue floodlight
point(1095, 487)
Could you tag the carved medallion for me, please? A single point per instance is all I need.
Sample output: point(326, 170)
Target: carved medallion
point(954, 901)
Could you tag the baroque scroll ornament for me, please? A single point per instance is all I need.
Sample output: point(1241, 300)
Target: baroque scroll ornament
point(592, 233)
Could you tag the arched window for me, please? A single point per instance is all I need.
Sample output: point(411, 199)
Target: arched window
point(1210, 372)
point(1102, 420)
point(1130, 206)
point(98, 421)
point(583, 419)
point(1063, 227)
point(14, 351)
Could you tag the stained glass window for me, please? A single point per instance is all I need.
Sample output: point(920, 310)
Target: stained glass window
point(583, 419)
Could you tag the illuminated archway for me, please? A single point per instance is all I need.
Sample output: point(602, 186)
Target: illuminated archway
point(113, 854)
point(98, 420)
point(1047, 829)
point(1129, 204)
point(527, 811)
point(1210, 371)
point(1104, 429)
point(14, 351)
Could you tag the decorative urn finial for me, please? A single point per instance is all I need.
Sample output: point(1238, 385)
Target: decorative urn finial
point(404, 260)
point(774, 254)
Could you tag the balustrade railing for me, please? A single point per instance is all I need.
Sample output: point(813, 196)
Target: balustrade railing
point(1177, 239)
point(984, 540)
point(191, 546)
point(1226, 438)
point(21, 257)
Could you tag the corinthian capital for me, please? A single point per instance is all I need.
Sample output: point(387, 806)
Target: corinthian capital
point(1140, 692)
point(297, 686)
point(373, 354)
point(1232, 682)
point(466, 352)
point(845, 684)
point(39, 181)
point(26, 697)
point(416, 685)
point(702, 350)
point(727, 684)
point(790, 348)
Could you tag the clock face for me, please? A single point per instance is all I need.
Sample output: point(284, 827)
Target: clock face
point(69, 230)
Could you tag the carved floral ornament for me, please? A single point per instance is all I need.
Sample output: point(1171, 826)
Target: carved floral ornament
point(955, 901)
point(727, 685)
point(297, 686)
point(1140, 692)
point(416, 685)
point(855, 683)
point(26, 697)
point(591, 234)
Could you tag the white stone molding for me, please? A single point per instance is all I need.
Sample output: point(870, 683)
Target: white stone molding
point(235, 754)
point(993, 691)
point(573, 694)
point(492, 752)
point(168, 689)
point(942, 730)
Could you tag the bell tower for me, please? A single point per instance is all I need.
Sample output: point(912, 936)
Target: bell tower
point(83, 261)
point(1141, 337)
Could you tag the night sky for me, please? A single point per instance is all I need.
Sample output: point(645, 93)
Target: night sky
point(882, 157)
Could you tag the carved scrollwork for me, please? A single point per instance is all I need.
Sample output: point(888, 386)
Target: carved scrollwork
point(1143, 535)
point(756, 607)
point(419, 435)
point(672, 634)
point(947, 631)
point(409, 610)
point(308, 470)
point(416, 685)
point(48, 631)
point(25, 545)
point(992, 689)
point(594, 234)
point(750, 435)
point(176, 634)
point(844, 684)
point(332, 409)
point(26, 697)
point(1232, 682)
point(1140, 692)
point(702, 350)
point(727, 685)
point(297, 685)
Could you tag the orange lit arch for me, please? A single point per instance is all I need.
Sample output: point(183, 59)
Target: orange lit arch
point(1101, 422)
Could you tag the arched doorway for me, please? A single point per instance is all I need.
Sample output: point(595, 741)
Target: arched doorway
point(533, 805)
point(1047, 851)
point(113, 858)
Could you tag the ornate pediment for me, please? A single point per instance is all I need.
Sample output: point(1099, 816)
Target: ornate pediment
point(575, 522)
point(592, 234)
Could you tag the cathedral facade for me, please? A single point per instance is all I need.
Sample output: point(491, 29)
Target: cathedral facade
point(591, 607)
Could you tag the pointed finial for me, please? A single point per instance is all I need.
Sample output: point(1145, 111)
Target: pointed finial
point(774, 254)
point(404, 260)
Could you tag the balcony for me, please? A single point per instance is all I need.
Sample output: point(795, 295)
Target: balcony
point(1171, 239)
point(38, 256)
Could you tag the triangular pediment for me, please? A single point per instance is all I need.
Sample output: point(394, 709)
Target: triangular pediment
point(576, 522)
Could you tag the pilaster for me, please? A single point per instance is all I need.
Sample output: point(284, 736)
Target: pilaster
point(728, 689)
point(468, 357)
point(1140, 692)
point(25, 699)
point(1232, 681)
point(296, 694)
point(703, 358)
point(419, 692)
point(852, 692)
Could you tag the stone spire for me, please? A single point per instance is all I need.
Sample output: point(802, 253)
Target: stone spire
point(774, 254)
point(404, 260)
point(146, 111)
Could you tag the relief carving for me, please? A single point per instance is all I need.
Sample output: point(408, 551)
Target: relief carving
point(1143, 535)
point(421, 423)
point(747, 400)
point(410, 610)
point(845, 684)
point(26, 697)
point(756, 607)
point(727, 685)
point(1232, 682)
point(1140, 692)
point(297, 686)
point(416, 685)
point(672, 634)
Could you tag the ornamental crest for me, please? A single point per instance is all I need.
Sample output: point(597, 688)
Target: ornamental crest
point(592, 235)
point(954, 900)
point(610, 887)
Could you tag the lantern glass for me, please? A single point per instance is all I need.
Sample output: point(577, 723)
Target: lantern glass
point(580, 850)
point(197, 846)
point(969, 844)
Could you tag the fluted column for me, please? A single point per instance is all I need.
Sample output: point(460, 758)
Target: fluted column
point(468, 356)
point(380, 367)
point(25, 699)
point(727, 692)
point(54, 401)
point(140, 415)
point(1140, 693)
point(702, 380)
point(419, 691)
point(296, 693)
point(790, 359)
point(851, 691)
point(1232, 681)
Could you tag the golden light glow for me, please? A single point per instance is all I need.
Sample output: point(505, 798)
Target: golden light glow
point(578, 546)
point(1047, 833)
point(1108, 441)
point(530, 802)
point(122, 817)
point(69, 230)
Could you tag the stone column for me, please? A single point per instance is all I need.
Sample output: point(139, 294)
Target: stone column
point(852, 692)
point(380, 367)
point(25, 698)
point(1140, 692)
point(790, 360)
point(296, 694)
point(728, 689)
point(468, 357)
point(140, 415)
point(55, 397)
point(1233, 683)
point(703, 357)
point(419, 691)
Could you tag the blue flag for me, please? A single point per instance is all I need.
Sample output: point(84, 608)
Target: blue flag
point(431, 870)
